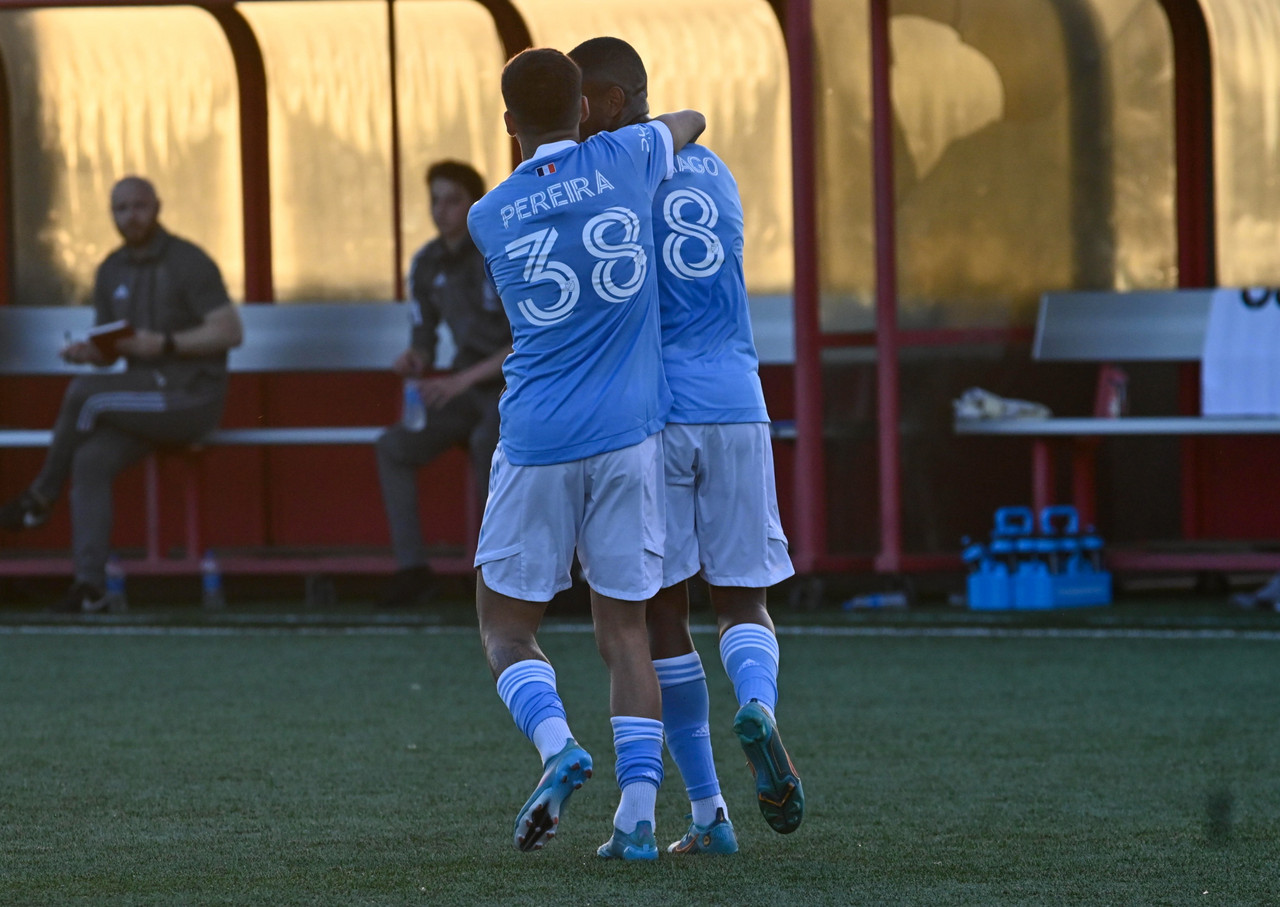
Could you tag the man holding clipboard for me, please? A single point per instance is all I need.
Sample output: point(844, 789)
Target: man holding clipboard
point(159, 302)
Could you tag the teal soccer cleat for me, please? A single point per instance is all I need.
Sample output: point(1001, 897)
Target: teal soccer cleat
point(778, 788)
point(716, 838)
point(638, 845)
point(564, 773)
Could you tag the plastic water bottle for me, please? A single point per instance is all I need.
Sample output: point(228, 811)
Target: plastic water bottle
point(211, 582)
point(876, 601)
point(116, 600)
point(413, 412)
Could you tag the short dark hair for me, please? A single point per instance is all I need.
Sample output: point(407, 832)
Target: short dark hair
point(609, 61)
point(458, 172)
point(542, 89)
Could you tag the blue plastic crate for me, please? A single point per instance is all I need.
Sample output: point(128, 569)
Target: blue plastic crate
point(1024, 570)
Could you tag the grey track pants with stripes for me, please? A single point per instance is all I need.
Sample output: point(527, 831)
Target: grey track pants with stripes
point(108, 422)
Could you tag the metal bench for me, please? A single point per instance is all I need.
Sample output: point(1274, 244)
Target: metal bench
point(1108, 328)
point(293, 337)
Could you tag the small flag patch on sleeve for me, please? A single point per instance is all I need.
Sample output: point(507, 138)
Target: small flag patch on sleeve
point(546, 170)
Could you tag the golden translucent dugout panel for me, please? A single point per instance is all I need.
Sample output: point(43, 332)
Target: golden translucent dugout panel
point(727, 59)
point(99, 94)
point(1033, 150)
point(1245, 36)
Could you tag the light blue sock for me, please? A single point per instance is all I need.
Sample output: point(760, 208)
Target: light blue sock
point(685, 719)
point(529, 690)
point(750, 656)
point(637, 743)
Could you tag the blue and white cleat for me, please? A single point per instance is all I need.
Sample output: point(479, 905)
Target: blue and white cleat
point(563, 773)
point(716, 838)
point(638, 845)
point(778, 788)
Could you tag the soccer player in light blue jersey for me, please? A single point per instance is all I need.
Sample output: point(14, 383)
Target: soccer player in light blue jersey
point(722, 513)
point(568, 243)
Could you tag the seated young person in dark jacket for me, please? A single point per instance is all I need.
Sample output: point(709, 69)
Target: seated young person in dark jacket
point(447, 282)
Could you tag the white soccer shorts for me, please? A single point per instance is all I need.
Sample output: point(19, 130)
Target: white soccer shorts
point(722, 506)
point(608, 507)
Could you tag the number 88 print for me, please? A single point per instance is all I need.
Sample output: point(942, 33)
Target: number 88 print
point(705, 217)
point(536, 247)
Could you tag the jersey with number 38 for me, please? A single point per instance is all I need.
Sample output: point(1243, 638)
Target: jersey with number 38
point(707, 346)
point(568, 243)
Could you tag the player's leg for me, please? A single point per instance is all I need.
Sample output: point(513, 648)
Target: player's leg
point(514, 582)
point(740, 561)
point(635, 704)
point(686, 710)
point(527, 686)
point(685, 701)
point(620, 550)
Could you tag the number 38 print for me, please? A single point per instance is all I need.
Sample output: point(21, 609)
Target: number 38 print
point(619, 263)
point(610, 238)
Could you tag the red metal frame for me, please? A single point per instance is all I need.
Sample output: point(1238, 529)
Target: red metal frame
point(889, 560)
point(255, 161)
point(515, 37)
point(6, 195)
point(1196, 210)
point(809, 530)
point(397, 193)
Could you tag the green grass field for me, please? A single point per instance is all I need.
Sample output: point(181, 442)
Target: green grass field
point(198, 760)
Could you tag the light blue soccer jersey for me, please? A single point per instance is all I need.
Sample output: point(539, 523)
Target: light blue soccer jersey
point(707, 348)
point(568, 243)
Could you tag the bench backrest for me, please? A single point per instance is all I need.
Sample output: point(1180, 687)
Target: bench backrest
point(1140, 326)
point(288, 337)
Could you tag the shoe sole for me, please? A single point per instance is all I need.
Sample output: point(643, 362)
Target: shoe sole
point(540, 814)
point(778, 789)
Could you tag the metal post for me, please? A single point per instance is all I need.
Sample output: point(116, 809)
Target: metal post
point(889, 559)
point(397, 202)
point(809, 532)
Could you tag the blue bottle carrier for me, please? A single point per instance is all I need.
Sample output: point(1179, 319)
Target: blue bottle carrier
point(1020, 569)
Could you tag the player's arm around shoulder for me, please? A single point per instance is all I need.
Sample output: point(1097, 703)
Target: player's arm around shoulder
point(684, 126)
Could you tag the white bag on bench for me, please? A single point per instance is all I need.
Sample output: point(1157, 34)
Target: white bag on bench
point(1240, 375)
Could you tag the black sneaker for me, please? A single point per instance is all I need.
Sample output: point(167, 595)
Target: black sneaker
point(81, 598)
point(409, 587)
point(26, 511)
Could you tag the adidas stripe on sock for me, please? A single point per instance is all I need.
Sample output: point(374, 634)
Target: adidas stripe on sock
point(750, 656)
point(685, 716)
point(637, 743)
point(528, 688)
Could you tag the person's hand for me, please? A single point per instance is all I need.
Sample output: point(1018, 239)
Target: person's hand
point(82, 352)
point(142, 345)
point(409, 364)
point(440, 390)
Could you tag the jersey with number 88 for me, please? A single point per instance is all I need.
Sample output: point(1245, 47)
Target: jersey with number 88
point(707, 348)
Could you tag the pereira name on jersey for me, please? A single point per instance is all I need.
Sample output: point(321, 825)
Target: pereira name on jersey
point(568, 243)
point(707, 347)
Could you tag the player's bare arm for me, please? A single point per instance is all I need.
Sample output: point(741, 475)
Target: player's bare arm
point(685, 126)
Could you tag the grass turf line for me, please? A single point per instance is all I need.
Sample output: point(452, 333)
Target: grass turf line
point(299, 769)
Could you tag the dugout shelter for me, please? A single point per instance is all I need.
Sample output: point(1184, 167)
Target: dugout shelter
point(915, 175)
